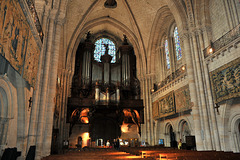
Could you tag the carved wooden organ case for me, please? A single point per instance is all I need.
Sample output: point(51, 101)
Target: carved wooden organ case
point(102, 92)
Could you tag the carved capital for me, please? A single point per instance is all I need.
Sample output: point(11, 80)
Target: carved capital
point(60, 20)
point(183, 36)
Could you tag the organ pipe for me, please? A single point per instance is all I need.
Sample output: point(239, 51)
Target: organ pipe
point(87, 62)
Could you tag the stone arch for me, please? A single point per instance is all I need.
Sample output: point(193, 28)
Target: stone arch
point(184, 129)
point(225, 121)
point(7, 97)
point(233, 127)
point(169, 130)
point(8, 105)
point(174, 12)
point(114, 23)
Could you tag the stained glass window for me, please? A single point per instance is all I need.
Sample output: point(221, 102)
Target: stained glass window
point(100, 49)
point(177, 44)
point(167, 54)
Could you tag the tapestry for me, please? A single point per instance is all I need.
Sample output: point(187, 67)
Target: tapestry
point(166, 105)
point(182, 99)
point(17, 43)
point(225, 81)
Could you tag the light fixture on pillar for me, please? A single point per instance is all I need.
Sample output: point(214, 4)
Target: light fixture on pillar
point(152, 90)
point(183, 68)
point(211, 50)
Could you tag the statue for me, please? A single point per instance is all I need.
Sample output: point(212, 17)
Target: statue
point(106, 47)
point(125, 40)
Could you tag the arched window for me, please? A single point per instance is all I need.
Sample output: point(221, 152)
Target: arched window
point(167, 54)
point(177, 44)
point(100, 49)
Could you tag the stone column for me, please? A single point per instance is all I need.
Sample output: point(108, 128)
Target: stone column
point(35, 105)
point(202, 94)
point(192, 88)
point(146, 99)
point(67, 94)
point(52, 89)
point(155, 132)
point(3, 134)
point(44, 88)
point(150, 82)
point(148, 120)
point(39, 5)
point(61, 114)
point(36, 94)
point(209, 94)
point(144, 126)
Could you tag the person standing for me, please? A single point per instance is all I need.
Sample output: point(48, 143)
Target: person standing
point(180, 144)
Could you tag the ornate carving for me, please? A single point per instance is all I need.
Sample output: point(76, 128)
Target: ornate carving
point(179, 72)
point(223, 41)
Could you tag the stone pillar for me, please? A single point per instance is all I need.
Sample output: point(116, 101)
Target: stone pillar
point(155, 132)
point(39, 5)
point(150, 86)
point(62, 106)
point(45, 20)
point(37, 92)
point(148, 120)
point(202, 94)
point(144, 126)
point(52, 89)
point(209, 94)
point(44, 88)
point(146, 106)
point(67, 91)
point(3, 133)
point(35, 105)
point(192, 89)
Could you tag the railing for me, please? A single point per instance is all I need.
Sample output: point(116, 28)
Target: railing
point(170, 78)
point(223, 41)
point(35, 18)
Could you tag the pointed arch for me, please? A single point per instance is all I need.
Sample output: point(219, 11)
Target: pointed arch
point(72, 48)
point(173, 12)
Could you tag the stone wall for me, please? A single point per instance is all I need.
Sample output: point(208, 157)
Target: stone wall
point(19, 58)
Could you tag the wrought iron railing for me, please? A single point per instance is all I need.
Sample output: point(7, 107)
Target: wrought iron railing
point(179, 72)
point(35, 18)
point(223, 41)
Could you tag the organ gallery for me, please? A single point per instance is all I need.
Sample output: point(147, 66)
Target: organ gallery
point(77, 75)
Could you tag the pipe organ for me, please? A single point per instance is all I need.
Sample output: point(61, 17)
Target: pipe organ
point(106, 89)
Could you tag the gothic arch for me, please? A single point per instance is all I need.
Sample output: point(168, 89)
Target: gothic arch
point(157, 32)
point(226, 123)
point(8, 113)
point(180, 126)
point(116, 24)
point(233, 125)
point(169, 129)
point(174, 12)
point(7, 98)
